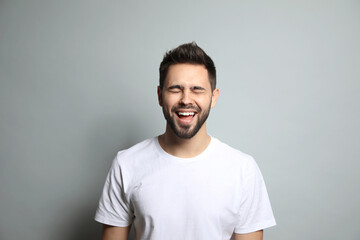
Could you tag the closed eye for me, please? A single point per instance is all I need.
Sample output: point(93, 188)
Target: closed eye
point(175, 88)
point(198, 89)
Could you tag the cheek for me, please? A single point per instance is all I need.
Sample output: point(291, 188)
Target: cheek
point(169, 101)
point(206, 102)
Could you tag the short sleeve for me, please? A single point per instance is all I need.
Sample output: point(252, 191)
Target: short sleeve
point(255, 211)
point(114, 208)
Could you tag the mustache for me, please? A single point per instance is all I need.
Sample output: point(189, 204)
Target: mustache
point(185, 106)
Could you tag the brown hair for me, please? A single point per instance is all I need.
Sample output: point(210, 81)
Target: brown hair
point(187, 53)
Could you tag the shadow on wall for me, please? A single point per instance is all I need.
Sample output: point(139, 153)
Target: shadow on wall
point(86, 228)
point(109, 136)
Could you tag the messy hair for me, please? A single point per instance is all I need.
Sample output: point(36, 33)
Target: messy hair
point(187, 53)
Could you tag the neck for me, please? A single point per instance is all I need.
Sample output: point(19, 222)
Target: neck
point(184, 148)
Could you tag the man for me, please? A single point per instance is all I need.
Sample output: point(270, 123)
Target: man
point(185, 184)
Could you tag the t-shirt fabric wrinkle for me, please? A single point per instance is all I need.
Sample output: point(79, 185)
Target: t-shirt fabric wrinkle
point(210, 196)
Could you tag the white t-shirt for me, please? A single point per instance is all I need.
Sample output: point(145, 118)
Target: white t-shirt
point(210, 196)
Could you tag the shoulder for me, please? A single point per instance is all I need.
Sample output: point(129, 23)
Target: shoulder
point(229, 152)
point(133, 163)
point(138, 148)
point(234, 157)
point(136, 153)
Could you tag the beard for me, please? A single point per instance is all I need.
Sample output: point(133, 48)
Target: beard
point(186, 131)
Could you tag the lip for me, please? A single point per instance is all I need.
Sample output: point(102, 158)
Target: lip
point(185, 110)
point(185, 120)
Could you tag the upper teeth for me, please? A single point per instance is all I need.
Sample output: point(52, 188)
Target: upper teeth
point(186, 113)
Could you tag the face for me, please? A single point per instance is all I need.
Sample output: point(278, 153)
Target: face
point(186, 98)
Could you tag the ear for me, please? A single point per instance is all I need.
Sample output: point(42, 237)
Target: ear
point(159, 93)
point(214, 97)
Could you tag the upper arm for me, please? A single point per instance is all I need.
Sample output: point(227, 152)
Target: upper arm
point(258, 235)
point(115, 233)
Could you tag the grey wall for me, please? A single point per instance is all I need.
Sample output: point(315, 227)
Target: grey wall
point(78, 83)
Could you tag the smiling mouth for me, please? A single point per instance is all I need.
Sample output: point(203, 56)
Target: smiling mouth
point(185, 115)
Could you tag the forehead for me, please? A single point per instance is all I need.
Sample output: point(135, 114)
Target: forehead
point(187, 74)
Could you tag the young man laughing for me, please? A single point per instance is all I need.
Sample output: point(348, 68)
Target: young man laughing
point(185, 184)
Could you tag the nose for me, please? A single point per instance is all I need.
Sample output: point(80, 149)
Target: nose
point(186, 98)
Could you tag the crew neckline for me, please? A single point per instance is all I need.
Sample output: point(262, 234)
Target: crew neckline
point(167, 155)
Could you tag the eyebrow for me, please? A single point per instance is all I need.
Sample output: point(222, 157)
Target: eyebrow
point(197, 88)
point(175, 87)
point(181, 87)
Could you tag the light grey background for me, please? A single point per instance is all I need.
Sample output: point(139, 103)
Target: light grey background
point(78, 83)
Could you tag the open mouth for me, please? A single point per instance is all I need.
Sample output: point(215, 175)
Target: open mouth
point(185, 115)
